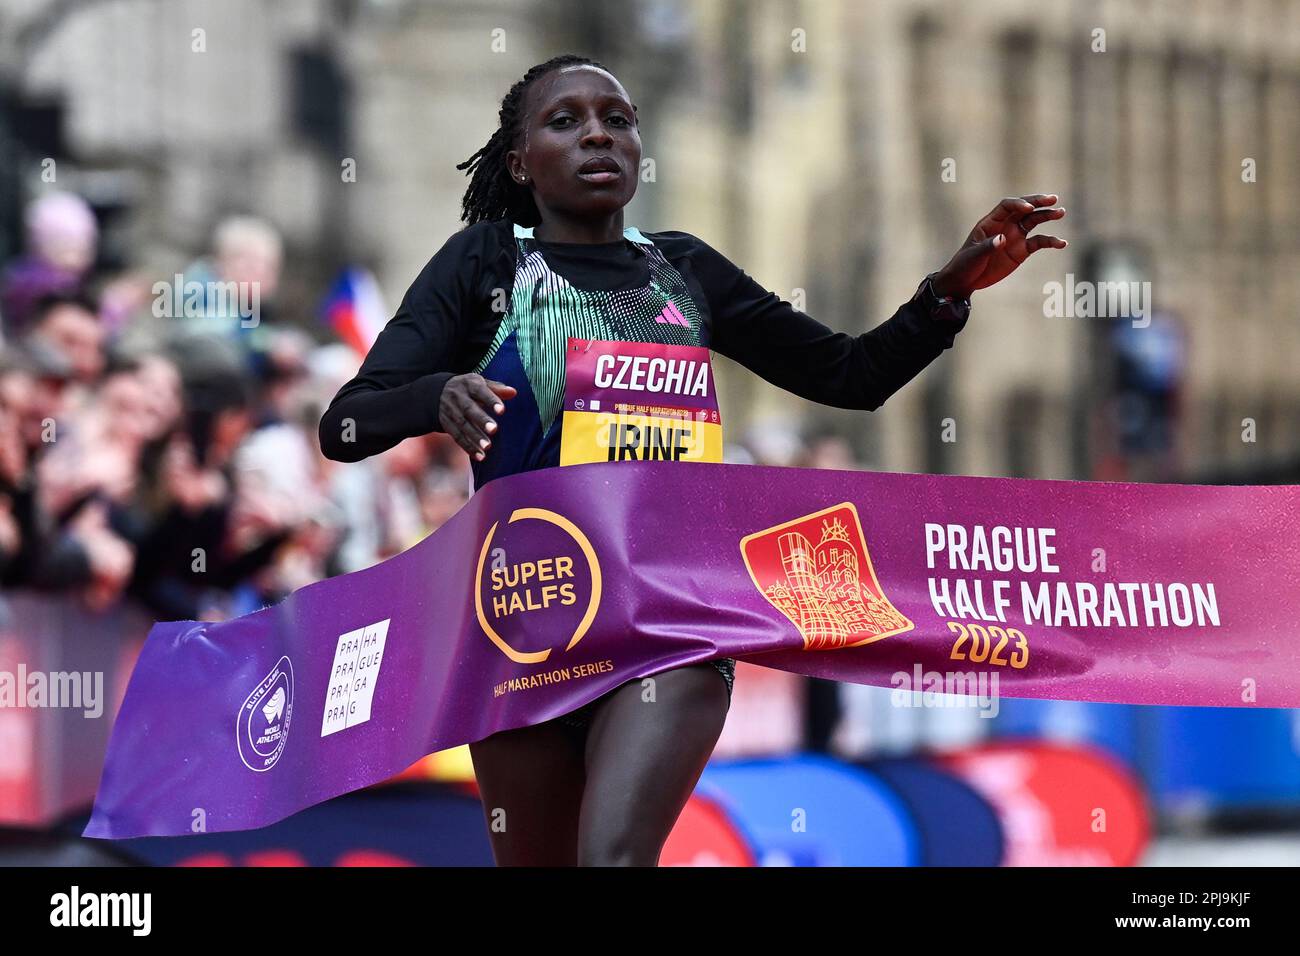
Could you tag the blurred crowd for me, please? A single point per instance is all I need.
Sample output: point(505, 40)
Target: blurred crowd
point(172, 459)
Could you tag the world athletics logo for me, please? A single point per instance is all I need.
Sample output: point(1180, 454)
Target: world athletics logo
point(816, 570)
point(262, 728)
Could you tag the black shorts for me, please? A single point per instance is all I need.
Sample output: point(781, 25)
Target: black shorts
point(580, 719)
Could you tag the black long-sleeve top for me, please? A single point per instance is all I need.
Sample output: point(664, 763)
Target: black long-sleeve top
point(447, 321)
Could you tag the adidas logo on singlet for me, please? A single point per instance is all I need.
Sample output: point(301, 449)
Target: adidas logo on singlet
point(671, 315)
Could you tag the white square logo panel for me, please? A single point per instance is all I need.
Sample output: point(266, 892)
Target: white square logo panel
point(357, 659)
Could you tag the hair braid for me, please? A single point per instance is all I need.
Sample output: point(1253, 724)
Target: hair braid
point(492, 193)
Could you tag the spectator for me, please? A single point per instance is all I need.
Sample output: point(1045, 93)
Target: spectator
point(40, 549)
point(238, 280)
point(69, 325)
point(62, 238)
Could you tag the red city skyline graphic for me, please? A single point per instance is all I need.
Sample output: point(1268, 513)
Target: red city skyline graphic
point(816, 570)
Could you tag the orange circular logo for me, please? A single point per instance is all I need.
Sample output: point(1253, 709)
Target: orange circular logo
point(541, 582)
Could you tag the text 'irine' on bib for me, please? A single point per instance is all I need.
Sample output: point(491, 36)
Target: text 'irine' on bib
point(638, 401)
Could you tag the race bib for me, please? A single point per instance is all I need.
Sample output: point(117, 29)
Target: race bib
point(638, 401)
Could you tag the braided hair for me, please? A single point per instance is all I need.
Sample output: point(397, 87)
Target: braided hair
point(492, 192)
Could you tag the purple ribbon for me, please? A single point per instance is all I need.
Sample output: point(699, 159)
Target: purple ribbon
point(551, 588)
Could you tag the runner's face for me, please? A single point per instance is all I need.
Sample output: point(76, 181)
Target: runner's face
point(576, 116)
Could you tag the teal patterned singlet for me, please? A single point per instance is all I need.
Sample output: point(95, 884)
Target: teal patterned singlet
point(543, 311)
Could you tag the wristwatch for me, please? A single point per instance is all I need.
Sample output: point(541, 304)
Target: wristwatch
point(944, 308)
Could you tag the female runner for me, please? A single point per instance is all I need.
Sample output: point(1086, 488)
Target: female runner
point(476, 350)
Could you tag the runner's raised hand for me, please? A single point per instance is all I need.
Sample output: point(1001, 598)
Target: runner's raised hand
point(998, 244)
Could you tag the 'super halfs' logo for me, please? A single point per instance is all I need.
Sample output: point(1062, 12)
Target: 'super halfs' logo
point(537, 586)
point(816, 570)
point(262, 728)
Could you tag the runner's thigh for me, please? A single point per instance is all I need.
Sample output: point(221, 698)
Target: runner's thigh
point(531, 782)
point(645, 753)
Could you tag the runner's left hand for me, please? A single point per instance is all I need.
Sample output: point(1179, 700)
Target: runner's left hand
point(998, 244)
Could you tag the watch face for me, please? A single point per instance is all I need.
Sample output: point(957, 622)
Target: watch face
point(944, 310)
point(947, 308)
point(953, 311)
